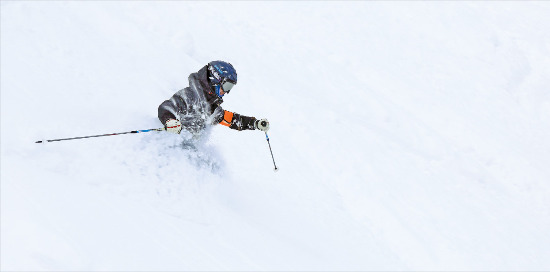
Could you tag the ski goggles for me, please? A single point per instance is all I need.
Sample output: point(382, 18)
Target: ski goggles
point(227, 86)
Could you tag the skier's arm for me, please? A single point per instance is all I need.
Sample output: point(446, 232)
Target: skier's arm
point(237, 121)
point(165, 111)
point(169, 108)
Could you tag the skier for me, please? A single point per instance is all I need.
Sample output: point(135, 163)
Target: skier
point(196, 106)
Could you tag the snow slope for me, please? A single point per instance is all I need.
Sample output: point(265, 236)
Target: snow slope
point(410, 136)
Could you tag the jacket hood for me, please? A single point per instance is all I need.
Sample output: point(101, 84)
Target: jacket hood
point(208, 90)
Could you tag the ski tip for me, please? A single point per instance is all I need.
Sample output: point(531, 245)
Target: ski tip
point(38, 142)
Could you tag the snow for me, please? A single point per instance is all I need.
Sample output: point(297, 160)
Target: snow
point(409, 136)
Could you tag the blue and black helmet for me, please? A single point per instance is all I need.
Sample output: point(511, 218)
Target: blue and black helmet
point(222, 75)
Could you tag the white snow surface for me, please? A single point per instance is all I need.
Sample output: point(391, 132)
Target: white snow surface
point(409, 136)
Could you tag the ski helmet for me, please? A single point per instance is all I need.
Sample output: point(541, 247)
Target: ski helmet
point(222, 75)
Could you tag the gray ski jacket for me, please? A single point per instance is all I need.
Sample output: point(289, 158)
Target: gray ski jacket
point(197, 106)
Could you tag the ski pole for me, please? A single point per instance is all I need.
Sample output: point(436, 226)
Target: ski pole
point(275, 169)
point(111, 134)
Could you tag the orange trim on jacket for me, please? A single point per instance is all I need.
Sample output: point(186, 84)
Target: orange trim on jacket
point(227, 118)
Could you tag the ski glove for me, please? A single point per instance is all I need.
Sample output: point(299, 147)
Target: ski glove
point(262, 125)
point(173, 126)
